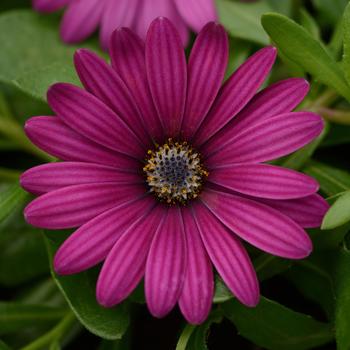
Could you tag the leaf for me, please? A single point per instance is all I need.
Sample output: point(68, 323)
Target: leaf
point(20, 243)
point(342, 313)
point(3, 346)
point(79, 292)
point(273, 326)
point(300, 47)
point(10, 198)
point(35, 56)
point(284, 6)
point(308, 277)
point(332, 180)
point(309, 23)
point(243, 20)
point(339, 212)
point(16, 316)
point(346, 43)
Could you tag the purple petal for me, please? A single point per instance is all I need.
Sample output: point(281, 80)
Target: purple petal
point(237, 92)
point(206, 69)
point(307, 212)
point(92, 242)
point(166, 265)
point(166, 72)
point(120, 13)
point(53, 176)
point(269, 139)
point(259, 224)
point(228, 256)
point(49, 5)
point(166, 8)
point(198, 288)
point(87, 115)
point(263, 180)
point(279, 98)
point(75, 205)
point(128, 59)
point(197, 13)
point(54, 137)
point(102, 81)
point(80, 20)
point(125, 264)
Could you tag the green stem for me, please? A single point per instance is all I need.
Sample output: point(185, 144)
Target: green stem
point(335, 115)
point(327, 98)
point(9, 174)
point(185, 337)
point(14, 132)
point(54, 335)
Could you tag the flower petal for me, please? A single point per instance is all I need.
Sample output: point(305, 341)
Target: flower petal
point(102, 81)
point(87, 115)
point(269, 139)
point(259, 224)
point(197, 13)
point(165, 8)
point(206, 69)
point(49, 5)
point(80, 20)
point(75, 205)
point(166, 72)
point(120, 13)
point(52, 176)
point(278, 98)
point(237, 92)
point(125, 264)
point(198, 288)
point(263, 180)
point(228, 256)
point(128, 59)
point(166, 265)
point(307, 212)
point(92, 242)
point(56, 138)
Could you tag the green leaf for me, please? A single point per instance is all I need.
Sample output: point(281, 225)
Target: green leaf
point(284, 6)
point(275, 327)
point(3, 346)
point(300, 47)
point(332, 180)
point(308, 277)
point(10, 198)
point(339, 213)
point(79, 292)
point(243, 20)
point(16, 316)
point(342, 286)
point(309, 23)
point(35, 56)
point(346, 43)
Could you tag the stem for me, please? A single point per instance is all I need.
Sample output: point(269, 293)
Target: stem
point(54, 335)
point(327, 98)
point(335, 115)
point(14, 131)
point(185, 337)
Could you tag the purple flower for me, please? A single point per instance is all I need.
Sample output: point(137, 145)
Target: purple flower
point(83, 17)
point(163, 169)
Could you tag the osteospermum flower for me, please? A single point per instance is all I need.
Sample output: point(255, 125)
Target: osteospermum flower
point(163, 171)
point(83, 17)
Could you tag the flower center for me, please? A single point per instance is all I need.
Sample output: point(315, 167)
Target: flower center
point(175, 173)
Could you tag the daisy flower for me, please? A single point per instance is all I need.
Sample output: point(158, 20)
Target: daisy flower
point(163, 171)
point(83, 17)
